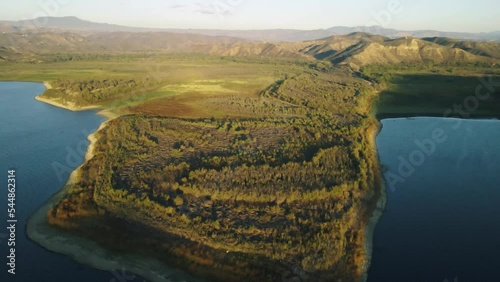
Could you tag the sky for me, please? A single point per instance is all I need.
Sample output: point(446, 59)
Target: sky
point(443, 15)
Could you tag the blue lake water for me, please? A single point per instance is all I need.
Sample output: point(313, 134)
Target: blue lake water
point(34, 137)
point(442, 220)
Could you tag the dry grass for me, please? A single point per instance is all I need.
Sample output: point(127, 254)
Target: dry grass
point(171, 107)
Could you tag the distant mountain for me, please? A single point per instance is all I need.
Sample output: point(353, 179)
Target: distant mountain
point(73, 24)
point(293, 35)
point(394, 33)
point(119, 42)
point(356, 49)
point(68, 24)
point(7, 28)
point(111, 42)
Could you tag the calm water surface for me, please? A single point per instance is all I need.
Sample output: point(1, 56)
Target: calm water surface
point(34, 136)
point(443, 222)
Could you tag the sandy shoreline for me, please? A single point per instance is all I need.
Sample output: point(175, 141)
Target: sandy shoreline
point(86, 251)
point(67, 106)
point(378, 209)
point(70, 107)
point(380, 205)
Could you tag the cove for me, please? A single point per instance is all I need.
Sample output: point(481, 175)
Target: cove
point(35, 138)
point(45, 144)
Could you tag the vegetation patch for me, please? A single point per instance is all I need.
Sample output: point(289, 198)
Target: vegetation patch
point(278, 177)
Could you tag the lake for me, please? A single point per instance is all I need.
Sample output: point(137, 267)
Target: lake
point(35, 139)
point(441, 221)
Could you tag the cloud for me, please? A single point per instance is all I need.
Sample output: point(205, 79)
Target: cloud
point(205, 11)
point(217, 7)
point(177, 6)
point(212, 11)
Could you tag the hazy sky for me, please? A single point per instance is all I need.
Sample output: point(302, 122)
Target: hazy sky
point(445, 15)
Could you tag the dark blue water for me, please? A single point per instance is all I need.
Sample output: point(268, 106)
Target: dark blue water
point(35, 138)
point(442, 221)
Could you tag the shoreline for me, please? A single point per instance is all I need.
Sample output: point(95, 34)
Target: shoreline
point(70, 107)
point(379, 208)
point(67, 106)
point(86, 251)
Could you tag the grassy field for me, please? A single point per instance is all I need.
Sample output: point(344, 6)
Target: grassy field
point(173, 67)
point(441, 91)
point(437, 95)
point(196, 86)
point(244, 166)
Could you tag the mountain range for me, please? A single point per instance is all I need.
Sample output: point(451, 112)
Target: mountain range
point(33, 44)
point(74, 24)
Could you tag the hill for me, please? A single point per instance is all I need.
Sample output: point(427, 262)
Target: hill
point(488, 49)
point(16, 44)
point(68, 24)
point(74, 24)
point(356, 49)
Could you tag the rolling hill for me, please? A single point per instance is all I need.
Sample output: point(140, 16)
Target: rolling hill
point(119, 42)
point(488, 49)
point(359, 49)
point(356, 49)
point(76, 25)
